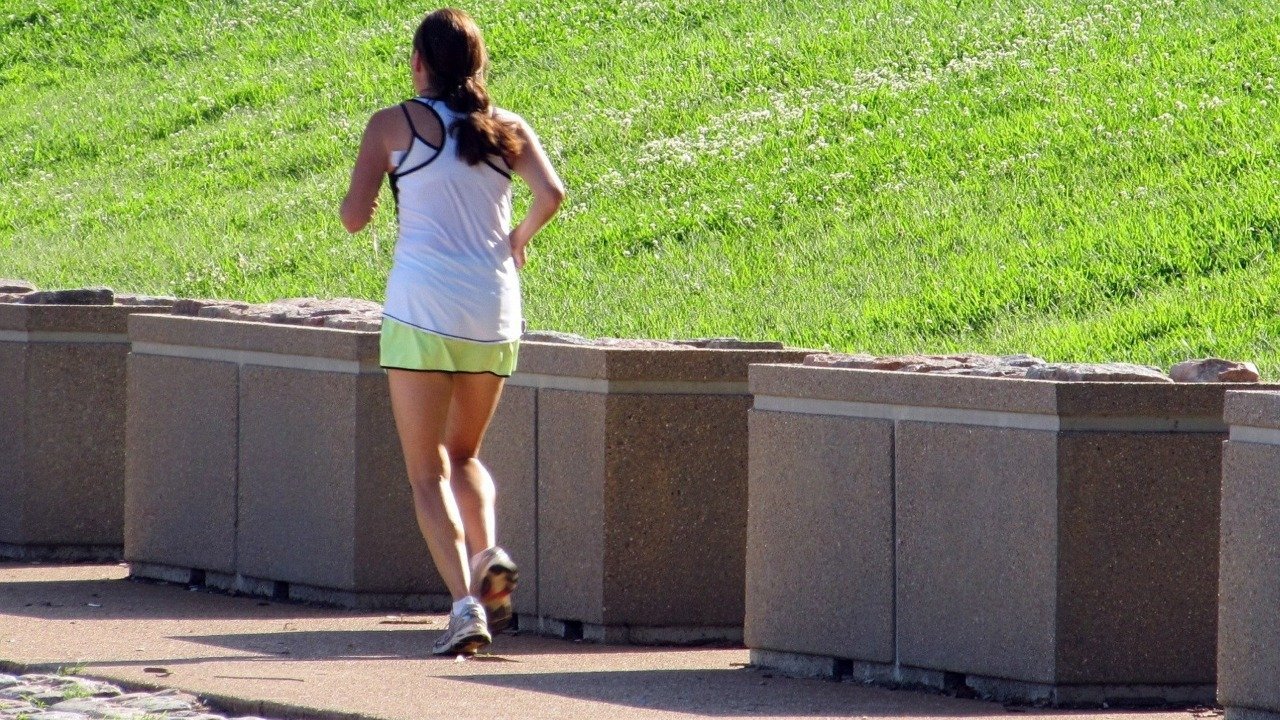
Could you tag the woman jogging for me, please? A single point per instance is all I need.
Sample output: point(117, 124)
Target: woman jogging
point(452, 322)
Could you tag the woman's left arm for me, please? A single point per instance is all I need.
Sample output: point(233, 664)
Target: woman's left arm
point(366, 177)
point(533, 166)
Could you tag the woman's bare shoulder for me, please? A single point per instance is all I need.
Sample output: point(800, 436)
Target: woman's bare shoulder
point(506, 115)
point(384, 117)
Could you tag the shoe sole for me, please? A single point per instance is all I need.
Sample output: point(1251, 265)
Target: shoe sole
point(468, 645)
point(495, 594)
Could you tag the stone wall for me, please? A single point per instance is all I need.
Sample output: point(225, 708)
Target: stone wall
point(1032, 540)
point(62, 446)
point(1249, 613)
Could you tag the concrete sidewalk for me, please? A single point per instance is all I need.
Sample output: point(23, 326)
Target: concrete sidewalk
point(284, 661)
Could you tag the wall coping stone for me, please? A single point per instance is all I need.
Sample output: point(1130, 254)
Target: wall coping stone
point(1253, 408)
point(252, 343)
point(998, 402)
point(69, 323)
point(711, 369)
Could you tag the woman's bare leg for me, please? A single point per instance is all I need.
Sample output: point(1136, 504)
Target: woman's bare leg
point(475, 397)
point(420, 402)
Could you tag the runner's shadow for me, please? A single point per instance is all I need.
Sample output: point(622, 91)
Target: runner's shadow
point(395, 639)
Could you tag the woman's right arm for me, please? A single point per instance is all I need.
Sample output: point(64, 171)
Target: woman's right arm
point(535, 169)
point(366, 177)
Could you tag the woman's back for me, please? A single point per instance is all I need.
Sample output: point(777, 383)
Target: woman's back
point(453, 272)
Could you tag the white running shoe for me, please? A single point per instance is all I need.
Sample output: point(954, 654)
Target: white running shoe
point(493, 579)
point(467, 633)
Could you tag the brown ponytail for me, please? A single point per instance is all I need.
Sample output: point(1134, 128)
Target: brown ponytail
point(449, 43)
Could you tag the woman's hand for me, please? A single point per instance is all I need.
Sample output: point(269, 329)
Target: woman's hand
point(535, 169)
point(519, 239)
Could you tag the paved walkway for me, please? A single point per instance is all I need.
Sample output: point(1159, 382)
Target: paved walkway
point(249, 656)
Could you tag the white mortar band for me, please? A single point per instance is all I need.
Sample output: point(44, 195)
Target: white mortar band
point(45, 336)
point(1257, 435)
point(985, 418)
point(628, 387)
point(250, 357)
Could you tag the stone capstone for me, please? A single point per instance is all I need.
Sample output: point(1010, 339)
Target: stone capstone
point(353, 322)
point(729, 343)
point(1214, 370)
point(18, 287)
point(336, 306)
point(80, 296)
point(145, 300)
point(265, 313)
point(552, 336)
point(192, 306)
point(960, 364)
point(1097, 372)
point(563, 338)
point(339, 313)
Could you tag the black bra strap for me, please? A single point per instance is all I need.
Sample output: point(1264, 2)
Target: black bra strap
point(412, 129)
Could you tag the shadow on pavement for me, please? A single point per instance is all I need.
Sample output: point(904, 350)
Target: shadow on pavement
point(124, 599)
point(733, 693)
point(390, 643)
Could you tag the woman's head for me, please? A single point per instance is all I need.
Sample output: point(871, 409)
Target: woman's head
point(452, 50)
point(449, 46)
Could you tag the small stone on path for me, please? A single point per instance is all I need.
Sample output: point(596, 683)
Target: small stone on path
point(38, 696)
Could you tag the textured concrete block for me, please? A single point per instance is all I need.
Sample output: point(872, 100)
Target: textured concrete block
point(819, 564)
point(976, 549)
point(676, 510)
point(62, 374)
point(641, 488)
point(1249, 591)
point(13, 439)
point(510, 452)
point(306, 492)
point(180, 491)
point(1137, 557)
point(323, 498)
point(1051, 541)
point(297, 471)
point(572, 457)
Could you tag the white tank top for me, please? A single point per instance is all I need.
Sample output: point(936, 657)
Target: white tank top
point(453, 274)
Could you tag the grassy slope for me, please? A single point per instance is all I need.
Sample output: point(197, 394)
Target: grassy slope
point(1083, 180)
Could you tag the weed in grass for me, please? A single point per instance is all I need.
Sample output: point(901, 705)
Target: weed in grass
point(72, 670)
point(75, 692)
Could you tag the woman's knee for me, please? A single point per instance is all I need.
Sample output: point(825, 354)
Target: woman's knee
point(461, 455)
point(428, 480)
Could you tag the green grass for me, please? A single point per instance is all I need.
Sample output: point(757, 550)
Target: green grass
point(1079, 180)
